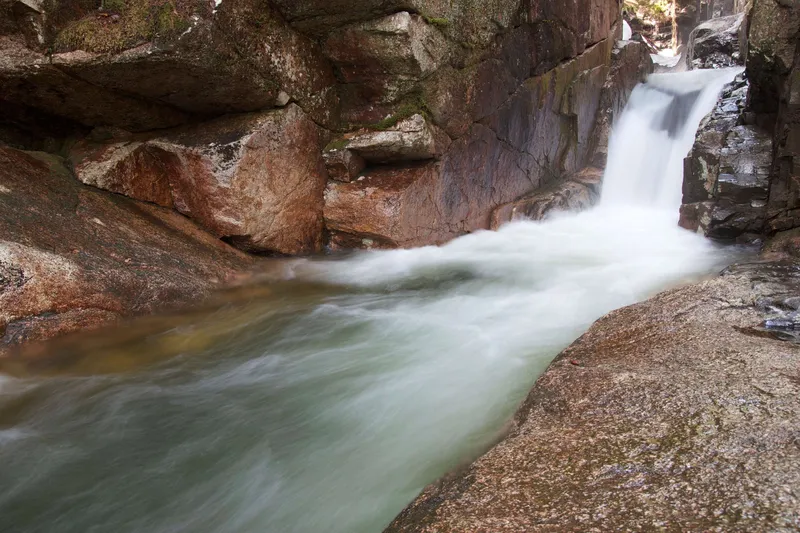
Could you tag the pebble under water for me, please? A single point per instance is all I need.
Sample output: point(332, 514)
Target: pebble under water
point(327, 401)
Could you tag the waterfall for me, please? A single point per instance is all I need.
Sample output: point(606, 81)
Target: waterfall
point(326, 402)
point(654, 135)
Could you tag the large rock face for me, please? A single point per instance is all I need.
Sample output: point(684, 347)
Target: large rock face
point(509, 140)
point(742, 178)
point(73, 257)
point(466, 105)
point(281, 127)
point(256, 180)
point(774, 67)
point(677, 414)
point(726, 175)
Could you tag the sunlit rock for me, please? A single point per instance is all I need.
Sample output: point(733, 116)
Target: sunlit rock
point(74, 257)
point(256, 180)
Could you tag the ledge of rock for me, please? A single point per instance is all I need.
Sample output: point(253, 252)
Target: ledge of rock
point(256, 180)
point(576, 193)
point(74, 257)
point(680, 413)
point(149, 65)
point(411, 139)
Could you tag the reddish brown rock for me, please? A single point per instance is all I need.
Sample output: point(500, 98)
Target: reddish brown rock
point(552, 116)
point(457, 98)
point(382, 60)
point(677, 414)
point(132, 168)
point(539, 134)
point(256, 180)
point(387, 208)
point(288, 59)
point(73, 257)
point(433, 202)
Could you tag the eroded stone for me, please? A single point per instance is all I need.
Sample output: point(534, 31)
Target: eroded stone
point(73, 257)
point(256, 180)
point(411, 139)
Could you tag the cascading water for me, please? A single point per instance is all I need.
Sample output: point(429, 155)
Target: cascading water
point(654, 134)
point(325, 403)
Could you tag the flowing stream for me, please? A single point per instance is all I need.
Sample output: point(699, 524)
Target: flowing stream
point(326, 402)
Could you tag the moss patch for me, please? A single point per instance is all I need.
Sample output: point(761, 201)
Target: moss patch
point(436, 21)
point(122, 24)
point(336, 144)
point(414, 105)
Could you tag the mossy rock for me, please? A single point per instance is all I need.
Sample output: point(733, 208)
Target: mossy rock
point(336, 144)
point(413, 105)
point(122, 24)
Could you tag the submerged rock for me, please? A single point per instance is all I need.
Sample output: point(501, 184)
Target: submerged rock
point(73, 257)
point(680, 413)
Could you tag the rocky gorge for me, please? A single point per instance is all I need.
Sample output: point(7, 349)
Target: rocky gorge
point(154, 152)
point(374, 124)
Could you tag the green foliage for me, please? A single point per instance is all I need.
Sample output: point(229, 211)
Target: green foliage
point(651, 10)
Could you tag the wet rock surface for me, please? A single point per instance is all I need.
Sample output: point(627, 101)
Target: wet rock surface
point(678, 414)
point(631, 63)
point(576, 193)
point(73, 257)
point(726, 176)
